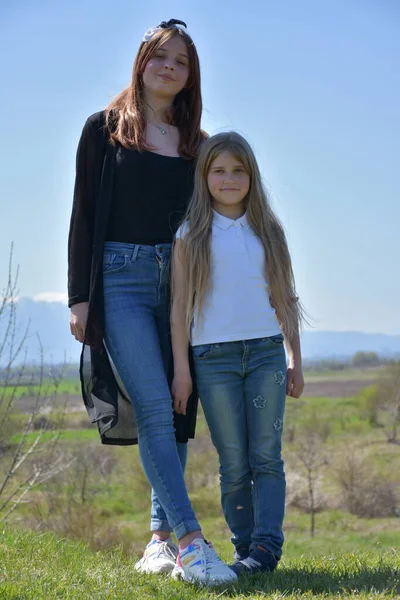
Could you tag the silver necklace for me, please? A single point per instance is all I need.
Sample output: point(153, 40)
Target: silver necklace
point(160, 128)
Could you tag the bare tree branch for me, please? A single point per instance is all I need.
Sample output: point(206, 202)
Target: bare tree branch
point(33, 459)
point(312, 457)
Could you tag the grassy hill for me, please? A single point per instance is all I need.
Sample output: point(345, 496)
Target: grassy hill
point(43, 567)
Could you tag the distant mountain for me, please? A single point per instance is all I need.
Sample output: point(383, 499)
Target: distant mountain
point(50, 320)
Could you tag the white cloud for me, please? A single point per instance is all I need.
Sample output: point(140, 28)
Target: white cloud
point(51, 297)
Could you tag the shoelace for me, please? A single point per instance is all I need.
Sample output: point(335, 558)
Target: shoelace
point(165, 549)
point(210, 554)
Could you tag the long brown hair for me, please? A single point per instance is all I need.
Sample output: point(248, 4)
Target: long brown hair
point(196, 249)
point(125, 115)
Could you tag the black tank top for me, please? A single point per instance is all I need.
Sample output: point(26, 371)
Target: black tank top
point(150, 196)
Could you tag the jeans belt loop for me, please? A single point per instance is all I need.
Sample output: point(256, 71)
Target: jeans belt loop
point(135, 251)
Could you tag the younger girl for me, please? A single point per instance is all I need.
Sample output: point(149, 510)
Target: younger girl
point(234, 298)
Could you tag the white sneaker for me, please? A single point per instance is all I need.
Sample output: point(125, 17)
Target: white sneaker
point(159, 557)
point(200, 563)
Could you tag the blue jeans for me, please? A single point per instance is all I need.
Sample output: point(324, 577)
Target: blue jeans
point(136, 313)
point(242, 387)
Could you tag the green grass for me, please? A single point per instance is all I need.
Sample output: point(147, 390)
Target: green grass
point(43, 567)
point(349, 557)
point(67, 435)
point(66, 386)
point(71, 385)
point(345, 415)
point(120, 503)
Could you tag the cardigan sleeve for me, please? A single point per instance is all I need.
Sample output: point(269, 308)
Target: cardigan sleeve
point(80, 240)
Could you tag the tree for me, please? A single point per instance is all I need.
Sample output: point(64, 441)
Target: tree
point(388, 392)
point(27, 456)
point(312, 457)
point(365, 360)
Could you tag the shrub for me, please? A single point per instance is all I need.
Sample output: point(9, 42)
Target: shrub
point(365, 494)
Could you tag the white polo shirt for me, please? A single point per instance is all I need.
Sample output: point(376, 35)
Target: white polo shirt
point(238, 306)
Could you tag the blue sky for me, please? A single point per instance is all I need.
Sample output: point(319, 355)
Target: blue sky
point(314, 86)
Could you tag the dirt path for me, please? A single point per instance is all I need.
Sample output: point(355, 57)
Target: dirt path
point(330, 388)
point(72, 404)
point(335, 388)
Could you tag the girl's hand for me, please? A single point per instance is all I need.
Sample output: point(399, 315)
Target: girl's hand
point(181, 389)
point(295, 381)
point(77, 320)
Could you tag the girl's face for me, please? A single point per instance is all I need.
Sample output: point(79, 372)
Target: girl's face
point(228, 181)
point(167, 71)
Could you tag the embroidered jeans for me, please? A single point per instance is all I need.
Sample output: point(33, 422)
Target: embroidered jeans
point(242, 387)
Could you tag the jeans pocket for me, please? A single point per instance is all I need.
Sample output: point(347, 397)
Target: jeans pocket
point(202, 351)
point(276, 339)
point(113, 263)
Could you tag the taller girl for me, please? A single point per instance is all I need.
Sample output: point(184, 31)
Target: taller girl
point(233, 298)
point(133, 183)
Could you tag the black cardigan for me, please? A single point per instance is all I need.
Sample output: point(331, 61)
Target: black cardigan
point(105, 400)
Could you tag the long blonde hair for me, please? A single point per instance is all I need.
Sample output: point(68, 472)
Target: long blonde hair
point(196, 249)
point(125, 115)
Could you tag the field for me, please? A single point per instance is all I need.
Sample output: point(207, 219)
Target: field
point(330, 383)
point(46, 568)
point(103, 501)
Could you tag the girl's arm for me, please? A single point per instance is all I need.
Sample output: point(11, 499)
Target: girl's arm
point(89, 161)
point(295, 380)
point(182, 382)
point(80, 239)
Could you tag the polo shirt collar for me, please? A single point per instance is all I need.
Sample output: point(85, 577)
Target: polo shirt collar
point(224, 223)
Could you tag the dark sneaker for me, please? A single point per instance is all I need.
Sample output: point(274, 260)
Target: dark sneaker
point(259, 560)
point(240, 553)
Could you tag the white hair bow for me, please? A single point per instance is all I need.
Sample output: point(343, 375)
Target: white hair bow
point(163, 25)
